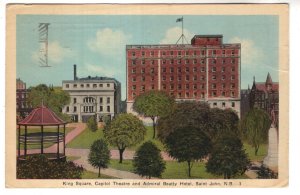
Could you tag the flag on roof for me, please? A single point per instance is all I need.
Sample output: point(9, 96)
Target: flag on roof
point(179, 19)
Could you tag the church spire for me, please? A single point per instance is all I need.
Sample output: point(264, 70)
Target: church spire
point(269, 79)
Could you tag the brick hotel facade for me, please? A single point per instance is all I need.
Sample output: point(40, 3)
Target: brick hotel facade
point(205, 70)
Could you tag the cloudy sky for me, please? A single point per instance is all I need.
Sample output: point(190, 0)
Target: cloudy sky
point(97, 43)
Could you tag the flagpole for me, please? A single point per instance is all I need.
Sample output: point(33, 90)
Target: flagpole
point(182, 30)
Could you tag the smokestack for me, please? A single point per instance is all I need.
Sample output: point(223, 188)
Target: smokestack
point(75, 72)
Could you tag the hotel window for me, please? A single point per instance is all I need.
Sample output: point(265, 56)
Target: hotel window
point(214, 77)
point(232, 69)
point(179, 61)
point(152, 78)
point(163, 53)
point(232, 86)
point(143, 70)
point(213, 69)
point(223, 104)
point(187, 61)
point(223, 85)
point(179, 78)
point(101, 85)
point(232, 77)
point(108, 108)
point(232, 61)
point(172, 87)
point(215, 104)
point(232, 52)
point(143, 62)
point(152, 70)
point(74, 100)
point(67, 85)
point(202, 86)
point(133, 95)
point(164, 86)
point(171, 69)
point(133, 87)
point(75, 85)
point(171, 78)
point(164, 70)
point(164, 61)
point(187, 94)
point(202, 78)
point(101, 108)
point(133, 70)
point(171, 52)
point(187, 86)
point(143, 53)
point(179, 95)
point(233, 104)
point(107, 85)
point(171, 94)
point(74, 109)
point(194, 61)
point(87, 85)
point(179, 87)
point(178, 69)
point(195, 69)
point(164, 78)
point(214, 61)
point(108, 100)
point(223, 77)
point(223, 52)
point(187, 69)
point(67, 109)
point(232, 94)
point(152, 86)
point(202, 95)
point(195, 94)
point(202, 61)
point(82, 85)
point(179, 53)
point(133, 62)
point(152, 62)
point(202, 69)
point(223, 61)
point(186, 53)
point(152, 53)
point(203, 52)
point(223, 69)
point(133, 53)
point(214, 52)
point(101, 99)
point(143, 78)
point(194, 86)
point(214, 94)
point(187, 77)
point(172, 61)
point(143, 88)
point(195, 77)
point(213, 86)
point(133, 79)
point(195, 53)
point(223, 94)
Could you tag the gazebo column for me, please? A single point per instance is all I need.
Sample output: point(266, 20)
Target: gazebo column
point(64, 139)
point(19, 143)
point(42, 139)
point(57, 141)
point(25, 144)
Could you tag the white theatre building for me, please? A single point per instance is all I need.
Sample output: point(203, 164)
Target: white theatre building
point(90, 96)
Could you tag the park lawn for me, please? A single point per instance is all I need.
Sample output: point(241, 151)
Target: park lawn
point(91, 175)
point(262, 152)
point(37, 130)
point(85, 139)
point(174, 170)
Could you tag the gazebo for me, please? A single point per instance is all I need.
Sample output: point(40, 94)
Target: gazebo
point(42, 117)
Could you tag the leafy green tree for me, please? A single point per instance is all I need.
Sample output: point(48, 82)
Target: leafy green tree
point(39, 167)
point(188, 144)
point(153, 104)
point(255, 127)
point(148, 161)
point(123, 131)
point(92, 123)
point(228, 158)
point(99, 155)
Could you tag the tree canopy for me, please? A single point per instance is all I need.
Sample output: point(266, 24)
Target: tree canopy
point(153, 104)
point(188, 144)
point(123, 131)
point(255, 127)
point(92, 123)
point(99, 155)
point(228, 158)
point(148, 161)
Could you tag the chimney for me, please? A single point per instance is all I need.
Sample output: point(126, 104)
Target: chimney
point(75, 72)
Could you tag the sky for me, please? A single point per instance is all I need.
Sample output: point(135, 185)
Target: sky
point(96, 44)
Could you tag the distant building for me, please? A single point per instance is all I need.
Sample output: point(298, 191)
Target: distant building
point(23, 107)
point(245, 102)
point(265, 95)
point(92, 96)
point(205, 70)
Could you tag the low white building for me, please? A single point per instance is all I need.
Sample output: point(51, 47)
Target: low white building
point(92, 96)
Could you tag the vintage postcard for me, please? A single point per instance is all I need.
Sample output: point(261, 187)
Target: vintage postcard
point(137, 96)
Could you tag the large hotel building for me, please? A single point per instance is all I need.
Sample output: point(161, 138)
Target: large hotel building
point(205, 70)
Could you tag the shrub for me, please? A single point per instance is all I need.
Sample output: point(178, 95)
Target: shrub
point(92, 124)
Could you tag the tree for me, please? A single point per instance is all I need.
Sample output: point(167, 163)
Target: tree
point(188, 144)
point(123, 131)
point(39, 167)
point(228, 158)
point(92, 123)
point(148, 161)
point(99, 155)
point(255, 127)
point(153, 104)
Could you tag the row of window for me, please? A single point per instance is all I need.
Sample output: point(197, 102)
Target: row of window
point(88, 109)
point(92, 100)
point(186, 61)
point(88, 85)
point(187, 78)
point(187, 86)
point(179, 69)
point(186, 53)
point(223, 104)
point(195, 94)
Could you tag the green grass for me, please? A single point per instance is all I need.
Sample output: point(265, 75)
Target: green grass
point(261, 154)
point(37, 130)
point(174, 170)
point(85, 139)
point(72, 158)
point(92, 175)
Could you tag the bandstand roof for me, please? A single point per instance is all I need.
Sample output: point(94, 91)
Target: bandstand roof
point(42, 116)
